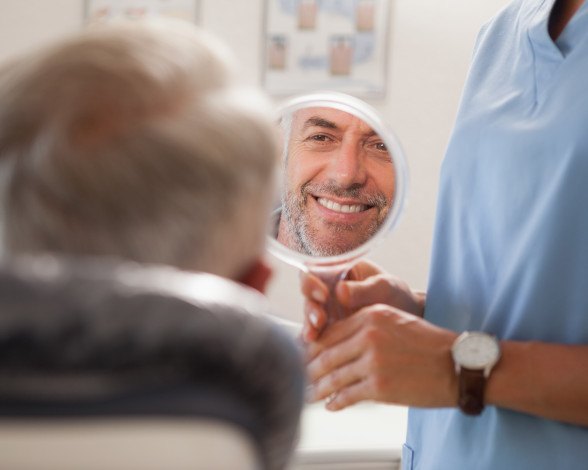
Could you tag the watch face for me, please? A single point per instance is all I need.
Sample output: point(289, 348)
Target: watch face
point(476, 350)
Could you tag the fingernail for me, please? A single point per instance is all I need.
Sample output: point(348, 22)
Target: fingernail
point(313, 317)
point(330, 402)
point(318, 296)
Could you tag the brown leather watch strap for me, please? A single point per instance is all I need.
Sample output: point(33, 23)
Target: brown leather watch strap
point(471, 391)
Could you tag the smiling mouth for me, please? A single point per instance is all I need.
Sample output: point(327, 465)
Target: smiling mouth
point(343, 208)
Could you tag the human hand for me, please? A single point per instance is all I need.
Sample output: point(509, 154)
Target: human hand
point(365, 284)
point(384, 354)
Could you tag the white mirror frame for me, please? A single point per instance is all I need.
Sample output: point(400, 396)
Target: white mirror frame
point(369, 115)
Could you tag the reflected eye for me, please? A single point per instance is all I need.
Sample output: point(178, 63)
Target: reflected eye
point(320, 142)
point(378, 148)
point(381, 146)
point(320, 138)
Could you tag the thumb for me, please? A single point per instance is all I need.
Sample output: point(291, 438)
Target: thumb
point(358, 294)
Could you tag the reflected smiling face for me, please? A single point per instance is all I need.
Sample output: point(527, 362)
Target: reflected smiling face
point(339, 180)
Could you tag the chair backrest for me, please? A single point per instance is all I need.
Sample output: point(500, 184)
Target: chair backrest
point(88, 347)
point(126, 444)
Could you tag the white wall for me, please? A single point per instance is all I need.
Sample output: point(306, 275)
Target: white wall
point(430, 46)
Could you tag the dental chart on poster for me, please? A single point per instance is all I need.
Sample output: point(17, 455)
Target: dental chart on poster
point(101, 10)
point(337, 45)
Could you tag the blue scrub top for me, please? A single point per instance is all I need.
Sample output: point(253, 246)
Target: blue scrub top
point(511, 245)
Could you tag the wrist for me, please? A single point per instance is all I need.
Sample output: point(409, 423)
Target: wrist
point(445, 384)
point(451, 385)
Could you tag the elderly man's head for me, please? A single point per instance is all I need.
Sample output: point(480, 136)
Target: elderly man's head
point(339, 182)
point(133, 141)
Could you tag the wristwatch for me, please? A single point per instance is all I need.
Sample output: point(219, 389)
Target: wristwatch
point(474, 355)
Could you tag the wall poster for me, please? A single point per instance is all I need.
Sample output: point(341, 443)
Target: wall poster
point(338, 45)
point(101, 10)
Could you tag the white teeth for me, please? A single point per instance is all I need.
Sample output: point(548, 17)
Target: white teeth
point(335, 206)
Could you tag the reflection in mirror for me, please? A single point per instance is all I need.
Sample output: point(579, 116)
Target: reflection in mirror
point(338, 182)
point(343, 180)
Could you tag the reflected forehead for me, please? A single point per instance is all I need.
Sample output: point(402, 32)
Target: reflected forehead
point(330, 119)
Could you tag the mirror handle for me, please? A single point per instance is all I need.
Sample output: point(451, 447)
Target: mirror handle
point(331, 276)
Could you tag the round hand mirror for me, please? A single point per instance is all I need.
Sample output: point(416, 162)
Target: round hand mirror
point(343, 182)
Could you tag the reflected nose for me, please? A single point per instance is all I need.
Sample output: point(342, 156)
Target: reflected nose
point(347, 166)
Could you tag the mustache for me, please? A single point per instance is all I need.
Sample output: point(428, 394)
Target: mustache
point(355, 191)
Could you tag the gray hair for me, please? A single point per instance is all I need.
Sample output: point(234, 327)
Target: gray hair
point(133, 141)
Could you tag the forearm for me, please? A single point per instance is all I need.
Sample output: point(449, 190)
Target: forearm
point(542, 379)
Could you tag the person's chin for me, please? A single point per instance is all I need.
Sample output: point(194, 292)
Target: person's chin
point(334, 246)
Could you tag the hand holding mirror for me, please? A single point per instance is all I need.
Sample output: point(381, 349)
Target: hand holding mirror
point(343, 185)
